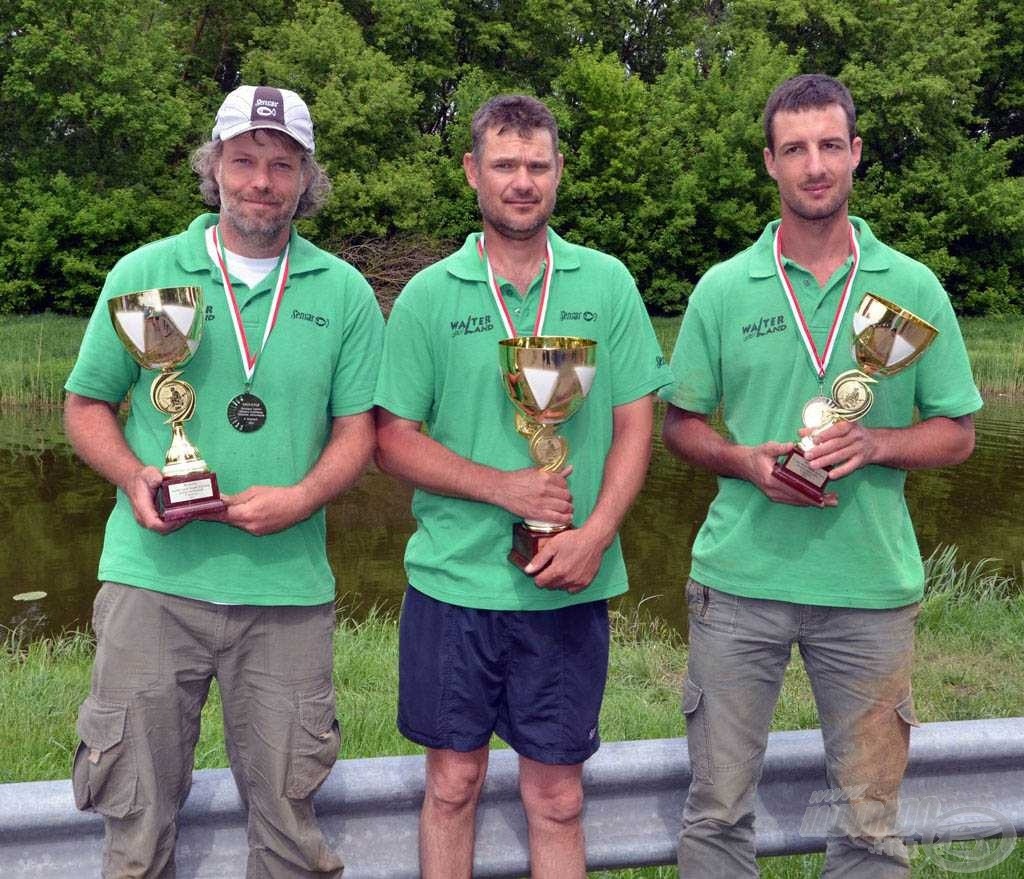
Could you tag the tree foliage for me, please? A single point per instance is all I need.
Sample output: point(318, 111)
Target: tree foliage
point(658, 102)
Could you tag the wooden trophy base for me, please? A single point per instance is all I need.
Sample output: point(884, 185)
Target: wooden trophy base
point(186, 497)
point(526, 543)
point(798, 474)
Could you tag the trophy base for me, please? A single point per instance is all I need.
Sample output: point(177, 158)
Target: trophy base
point(798, 474)
point(186, 497)
point(526, 543)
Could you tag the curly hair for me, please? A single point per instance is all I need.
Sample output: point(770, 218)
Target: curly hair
point(318, 187)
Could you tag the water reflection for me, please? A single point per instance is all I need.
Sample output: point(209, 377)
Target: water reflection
point(53, 510)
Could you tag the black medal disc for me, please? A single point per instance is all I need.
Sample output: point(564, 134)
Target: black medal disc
point(247, 413)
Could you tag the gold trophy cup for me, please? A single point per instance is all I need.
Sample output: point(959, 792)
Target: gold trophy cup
point(161, 329)
point(547, 378)
point(887, 339)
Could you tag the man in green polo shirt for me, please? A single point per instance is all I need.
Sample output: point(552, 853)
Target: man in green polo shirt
point(246, 594)
point(841, 577)
point(485, 646)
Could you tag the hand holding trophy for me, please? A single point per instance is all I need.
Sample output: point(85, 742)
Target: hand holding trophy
point(161, 329)
point(547, 378)
point(887, 339)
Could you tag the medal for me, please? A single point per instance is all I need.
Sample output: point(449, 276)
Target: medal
point(247, 413)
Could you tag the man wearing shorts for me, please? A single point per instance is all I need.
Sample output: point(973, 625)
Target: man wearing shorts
point(486, 647)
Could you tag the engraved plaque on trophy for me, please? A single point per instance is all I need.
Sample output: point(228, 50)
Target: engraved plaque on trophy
point(547, 378)
point(887, 339)
point(161, 329)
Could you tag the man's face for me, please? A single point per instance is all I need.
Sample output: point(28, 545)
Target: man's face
point(813, 161)
point(261, 177)
point(516, 180)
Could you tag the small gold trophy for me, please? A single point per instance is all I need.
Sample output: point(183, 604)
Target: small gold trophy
point(887, 339)
point(161, 329)
point(547, 379)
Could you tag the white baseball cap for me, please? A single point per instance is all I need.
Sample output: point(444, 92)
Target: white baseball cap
point(260, 106)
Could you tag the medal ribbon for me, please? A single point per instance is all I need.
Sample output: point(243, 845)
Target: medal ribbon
point(545, 290)
point(213, 247)
point(818, 361)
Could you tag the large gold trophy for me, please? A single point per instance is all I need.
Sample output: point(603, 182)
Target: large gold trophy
point(161, 329)
point(547, 378)
point(887, 339)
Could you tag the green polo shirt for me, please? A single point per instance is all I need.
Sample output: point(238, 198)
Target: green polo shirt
point(440, 366)
point(320, 362)
point(738, 346)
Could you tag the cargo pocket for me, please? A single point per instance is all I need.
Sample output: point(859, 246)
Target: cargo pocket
point(316, 738)
point(104, 776)
point(696, 731)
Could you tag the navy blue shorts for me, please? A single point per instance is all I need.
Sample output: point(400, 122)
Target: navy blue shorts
point(536, 678)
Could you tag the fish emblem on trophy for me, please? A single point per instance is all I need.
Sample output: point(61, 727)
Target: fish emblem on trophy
point(547, 378)
point(161, 329)
point(887, 339)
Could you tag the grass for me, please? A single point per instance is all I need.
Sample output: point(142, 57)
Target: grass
point(970, 639)
point(38, 351)
point(36, 355)
point(996, 347)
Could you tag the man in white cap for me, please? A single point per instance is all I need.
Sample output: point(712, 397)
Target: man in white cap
point(283, 382)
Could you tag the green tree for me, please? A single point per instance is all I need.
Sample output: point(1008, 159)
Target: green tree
point(93, 146)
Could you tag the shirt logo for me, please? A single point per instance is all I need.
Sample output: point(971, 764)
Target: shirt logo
point(578, 315)
point(317, 319)
point(480, 323)
point(208, 313)
point(765, 326)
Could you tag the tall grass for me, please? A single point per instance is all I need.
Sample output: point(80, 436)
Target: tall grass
point(996, 348)
point(36, 355)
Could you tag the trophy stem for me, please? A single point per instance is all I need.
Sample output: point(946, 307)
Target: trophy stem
point(183, 458)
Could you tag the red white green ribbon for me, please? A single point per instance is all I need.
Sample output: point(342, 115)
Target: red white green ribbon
point(818, 361)
point(249, 358)
point(545, 290)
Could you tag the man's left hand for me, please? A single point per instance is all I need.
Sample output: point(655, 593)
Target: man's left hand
point(568, 560)
point(263, 509)
point(845, 446)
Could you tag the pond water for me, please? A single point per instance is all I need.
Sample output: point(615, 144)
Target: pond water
point(53, 509)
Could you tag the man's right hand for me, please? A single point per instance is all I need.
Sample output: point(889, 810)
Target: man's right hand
point(536, 494)
point(141, 491)
point(760, 461)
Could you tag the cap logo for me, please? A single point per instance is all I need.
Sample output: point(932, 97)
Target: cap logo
point(266, 104)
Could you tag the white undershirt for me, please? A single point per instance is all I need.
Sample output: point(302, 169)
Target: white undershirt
point(248, 269)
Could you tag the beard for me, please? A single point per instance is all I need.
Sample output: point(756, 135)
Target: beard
point(511, 227)
point(260, 230)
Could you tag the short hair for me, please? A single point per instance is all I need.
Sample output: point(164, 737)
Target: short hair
point(809, 91)
point(313, 197)
point(521, 112)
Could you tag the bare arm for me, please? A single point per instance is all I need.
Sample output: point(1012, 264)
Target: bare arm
point(95, 433)
point(570, 560)
point(934, 442)
point(692, 438)
point(404, 451)
point(263, 509)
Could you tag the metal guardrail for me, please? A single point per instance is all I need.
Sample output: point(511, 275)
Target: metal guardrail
point(965, 780)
